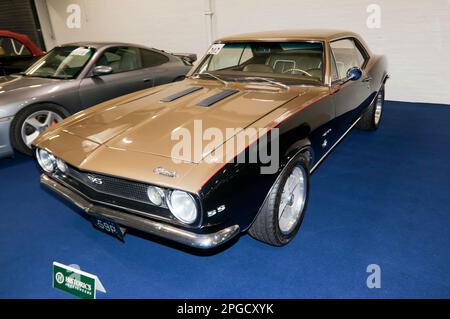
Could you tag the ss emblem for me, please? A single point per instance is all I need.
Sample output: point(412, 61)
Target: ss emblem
point(95, 180)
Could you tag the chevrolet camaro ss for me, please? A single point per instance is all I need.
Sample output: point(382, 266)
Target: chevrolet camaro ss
point(228, 150)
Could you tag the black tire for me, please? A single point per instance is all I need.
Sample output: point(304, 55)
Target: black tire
point(368, 121)
point(266, 225)
point(16, 126)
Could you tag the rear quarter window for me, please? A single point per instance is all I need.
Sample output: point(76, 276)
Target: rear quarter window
point(151, 58)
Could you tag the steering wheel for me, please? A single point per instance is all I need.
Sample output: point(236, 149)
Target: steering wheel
point(297, 70)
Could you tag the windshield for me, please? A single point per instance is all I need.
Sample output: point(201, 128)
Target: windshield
point(287, 62)
point(61, 63)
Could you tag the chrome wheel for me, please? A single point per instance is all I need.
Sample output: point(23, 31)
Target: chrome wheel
point(293, 200)
point(37, 123)
point(378, 108)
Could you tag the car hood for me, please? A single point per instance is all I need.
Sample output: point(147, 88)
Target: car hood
point(20, 83)
point(145, 124)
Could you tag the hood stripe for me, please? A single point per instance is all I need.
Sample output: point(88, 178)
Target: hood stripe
point(175, 96)
point(217, 97)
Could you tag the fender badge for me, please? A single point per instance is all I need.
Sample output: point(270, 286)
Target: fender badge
point(164, 172)
point(327, 132)
point(219, 209)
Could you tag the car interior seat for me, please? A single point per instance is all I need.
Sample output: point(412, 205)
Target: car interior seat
point(120, 61)
point(310, 62)
point(128, 61)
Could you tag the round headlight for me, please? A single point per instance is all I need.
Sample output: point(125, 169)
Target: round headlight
point(182, 205)
point(155, 195)
point(46, 160)
point(61, 165)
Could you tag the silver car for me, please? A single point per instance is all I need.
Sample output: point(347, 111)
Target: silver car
point(75, 76)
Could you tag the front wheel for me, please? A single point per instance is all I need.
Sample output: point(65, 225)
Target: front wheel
point(282, 213)
point(32, 121)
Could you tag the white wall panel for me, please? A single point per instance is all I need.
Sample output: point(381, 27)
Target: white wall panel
point(171, 24)
point(414, 34)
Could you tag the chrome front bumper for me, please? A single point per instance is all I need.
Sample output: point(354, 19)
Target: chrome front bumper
point(203, 241)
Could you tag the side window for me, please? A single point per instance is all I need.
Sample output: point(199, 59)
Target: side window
point(10, 47)
point(152, 58)
point(347, 55)
point(121, 59)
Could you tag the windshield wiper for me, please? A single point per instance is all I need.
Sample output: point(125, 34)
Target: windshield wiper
point(284, 86)
point(197, 75)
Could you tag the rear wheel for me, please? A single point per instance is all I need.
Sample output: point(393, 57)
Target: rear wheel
point(371, 118)
point(282, 214)
point(32, 121)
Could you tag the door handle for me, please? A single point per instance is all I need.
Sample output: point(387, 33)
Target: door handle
point(147, 80)
point(367, 79)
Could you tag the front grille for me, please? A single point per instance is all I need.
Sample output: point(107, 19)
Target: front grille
point(112, 185)
point(128, 195)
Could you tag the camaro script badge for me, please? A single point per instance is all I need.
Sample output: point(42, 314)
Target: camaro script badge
point(164, 172)
point(95, 180)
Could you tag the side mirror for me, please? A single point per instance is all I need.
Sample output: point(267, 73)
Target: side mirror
point(100, 70)
point(354, 74)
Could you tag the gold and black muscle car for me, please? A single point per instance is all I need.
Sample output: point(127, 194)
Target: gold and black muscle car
point(228, 150)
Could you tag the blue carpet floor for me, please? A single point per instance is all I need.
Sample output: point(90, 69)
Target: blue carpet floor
point(379, 198)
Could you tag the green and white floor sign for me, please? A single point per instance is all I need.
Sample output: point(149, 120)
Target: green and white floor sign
point(76, 282)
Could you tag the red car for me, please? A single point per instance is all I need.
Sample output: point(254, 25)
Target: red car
point(17, 52)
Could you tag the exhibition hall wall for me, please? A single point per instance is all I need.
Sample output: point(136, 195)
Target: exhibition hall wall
point(414, 34)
